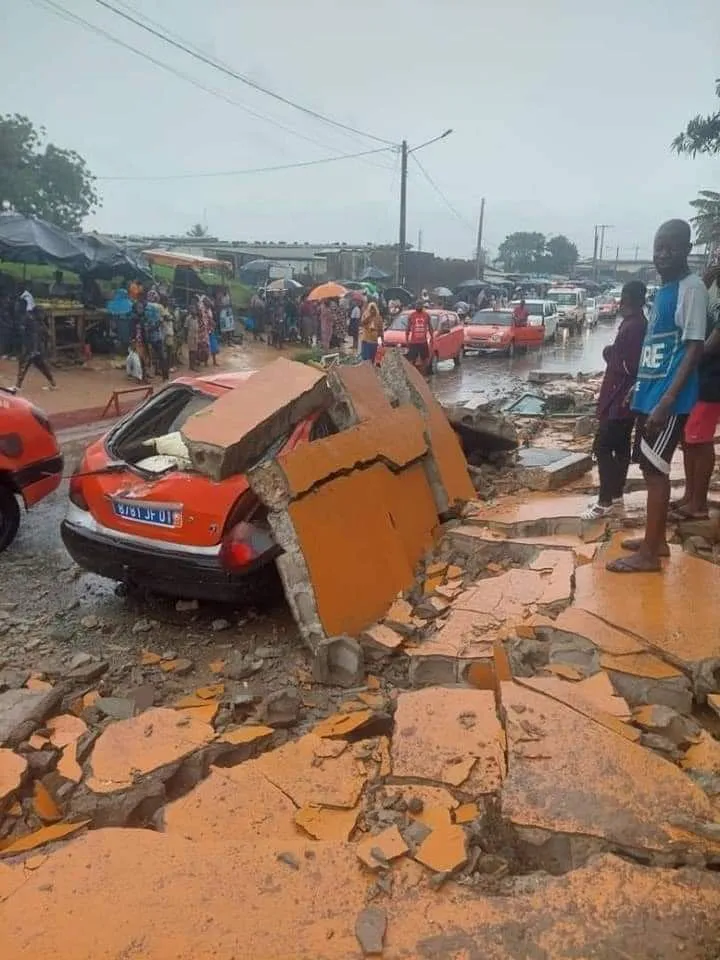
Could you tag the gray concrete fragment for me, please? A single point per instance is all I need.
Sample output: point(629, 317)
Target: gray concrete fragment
point(338, 661)
point(482, 431)
point(432, 671)
point(21, 711)
point(554, 474)
point(370, 927)
point(673, 692)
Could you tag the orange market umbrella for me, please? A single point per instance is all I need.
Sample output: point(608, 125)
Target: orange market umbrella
point(327, 291)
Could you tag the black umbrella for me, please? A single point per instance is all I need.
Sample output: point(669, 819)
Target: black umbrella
point(398, 293)
point(258, 266)
point(471, 285)
point(108, 259)
point(30, 240)
point(374, 273)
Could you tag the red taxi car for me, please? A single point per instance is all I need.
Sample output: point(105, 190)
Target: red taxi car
point(497, 330)
point(447, 341)
point(30, 461)
point(138, 512)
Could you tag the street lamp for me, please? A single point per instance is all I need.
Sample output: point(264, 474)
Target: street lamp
point(404, 154)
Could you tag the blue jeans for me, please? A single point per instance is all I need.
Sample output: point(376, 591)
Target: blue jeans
point(368, 351)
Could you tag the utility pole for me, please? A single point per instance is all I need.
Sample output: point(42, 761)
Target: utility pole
point(403, 213)
point(595, 257)
point(479, 266)
point(637, 251)
point(402, 234)
point(419, 246)
point(617, 260)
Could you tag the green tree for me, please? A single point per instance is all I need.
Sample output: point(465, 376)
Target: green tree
point(561, 255)
point(522, 252)
point(197, 230)
point(41, 179)
point(702, 134)
point(707, 218)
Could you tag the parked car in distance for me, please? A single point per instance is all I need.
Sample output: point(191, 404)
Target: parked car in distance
point(448, 338)
point(30, 462)
point(543, 313)
point(498, 331)
point(570, 303)
point(139, 513)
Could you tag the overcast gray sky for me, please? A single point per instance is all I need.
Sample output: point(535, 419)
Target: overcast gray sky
point(562, 113)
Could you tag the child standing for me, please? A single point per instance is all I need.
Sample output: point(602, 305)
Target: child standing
point(613, 440)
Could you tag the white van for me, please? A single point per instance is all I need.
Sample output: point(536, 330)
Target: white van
point(570, 305)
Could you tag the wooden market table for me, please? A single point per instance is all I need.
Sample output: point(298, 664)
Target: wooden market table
point(80, 320)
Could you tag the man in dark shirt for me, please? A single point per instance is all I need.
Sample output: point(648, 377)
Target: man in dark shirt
point(34, 335)
point(613, 441)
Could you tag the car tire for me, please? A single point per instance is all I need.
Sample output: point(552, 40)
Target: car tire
point(457, 359)
point(9, 517)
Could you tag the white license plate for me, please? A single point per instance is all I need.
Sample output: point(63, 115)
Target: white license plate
point(154, 514)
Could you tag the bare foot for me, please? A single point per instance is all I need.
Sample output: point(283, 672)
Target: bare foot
point(685, 512)
point(637, 563)
point(636, 543)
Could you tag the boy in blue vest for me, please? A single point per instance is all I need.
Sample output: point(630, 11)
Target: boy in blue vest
point(667, 386)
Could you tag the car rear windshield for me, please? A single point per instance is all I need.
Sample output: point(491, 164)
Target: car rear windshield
point(564, 299)
point(492, 318)
point(401, 321)
point(163, 414)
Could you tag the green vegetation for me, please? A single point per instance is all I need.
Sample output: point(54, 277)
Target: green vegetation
point(534, 253)
point(43, 180)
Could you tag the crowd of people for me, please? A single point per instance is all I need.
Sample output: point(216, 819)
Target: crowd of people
point(154, 331)
point(661, 388)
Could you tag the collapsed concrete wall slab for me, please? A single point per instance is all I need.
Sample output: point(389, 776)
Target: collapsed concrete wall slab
point(445, 464)
point(358, 395)
point(354, 514)
point(231, 434)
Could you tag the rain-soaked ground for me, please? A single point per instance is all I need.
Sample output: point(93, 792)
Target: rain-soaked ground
point(49, 609)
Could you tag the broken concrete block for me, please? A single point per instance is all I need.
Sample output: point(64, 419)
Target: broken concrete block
point(117, 708)
point(482, 431)
point(357, 395)
point(642, 678)
point(31, 841)
point(281, 708)
point(444, 850)
point(370, 927)
point(21, 711)
point(325, 823)
point(339, 661)
point(432, 741)
point(380, 641)
point(445, 464)
point(151, 741)
point(702, 763)
point(400, 617)
point(233, 433)
point(657, 718)
point(542, 468)
point(326, 781)
point(555, 752)
point(12, 771)
point(378, 850)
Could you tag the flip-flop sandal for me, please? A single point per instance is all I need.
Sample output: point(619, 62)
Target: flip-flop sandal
point(634, 544)
point(679, 515)
point(626, 565)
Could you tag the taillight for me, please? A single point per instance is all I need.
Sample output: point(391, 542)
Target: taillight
point(244, 544)
point(40, 416)
point(76, 492)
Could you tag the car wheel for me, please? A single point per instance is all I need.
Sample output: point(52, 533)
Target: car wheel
point(9, 517)
point(457, 359)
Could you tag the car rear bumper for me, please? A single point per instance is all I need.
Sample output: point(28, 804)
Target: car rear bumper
point(179, 572)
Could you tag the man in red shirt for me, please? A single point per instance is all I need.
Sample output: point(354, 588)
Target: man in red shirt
point(418, 335)
point(521, 313)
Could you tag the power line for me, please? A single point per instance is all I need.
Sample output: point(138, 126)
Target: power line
point(238, 173)
point(218, 65)
point(71, 17)
point(442, 196)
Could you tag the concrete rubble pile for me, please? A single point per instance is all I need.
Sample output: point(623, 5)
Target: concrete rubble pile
point(522, 759)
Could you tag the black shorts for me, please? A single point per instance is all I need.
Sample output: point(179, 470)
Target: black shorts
point(656, 455)
point(418, 351)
